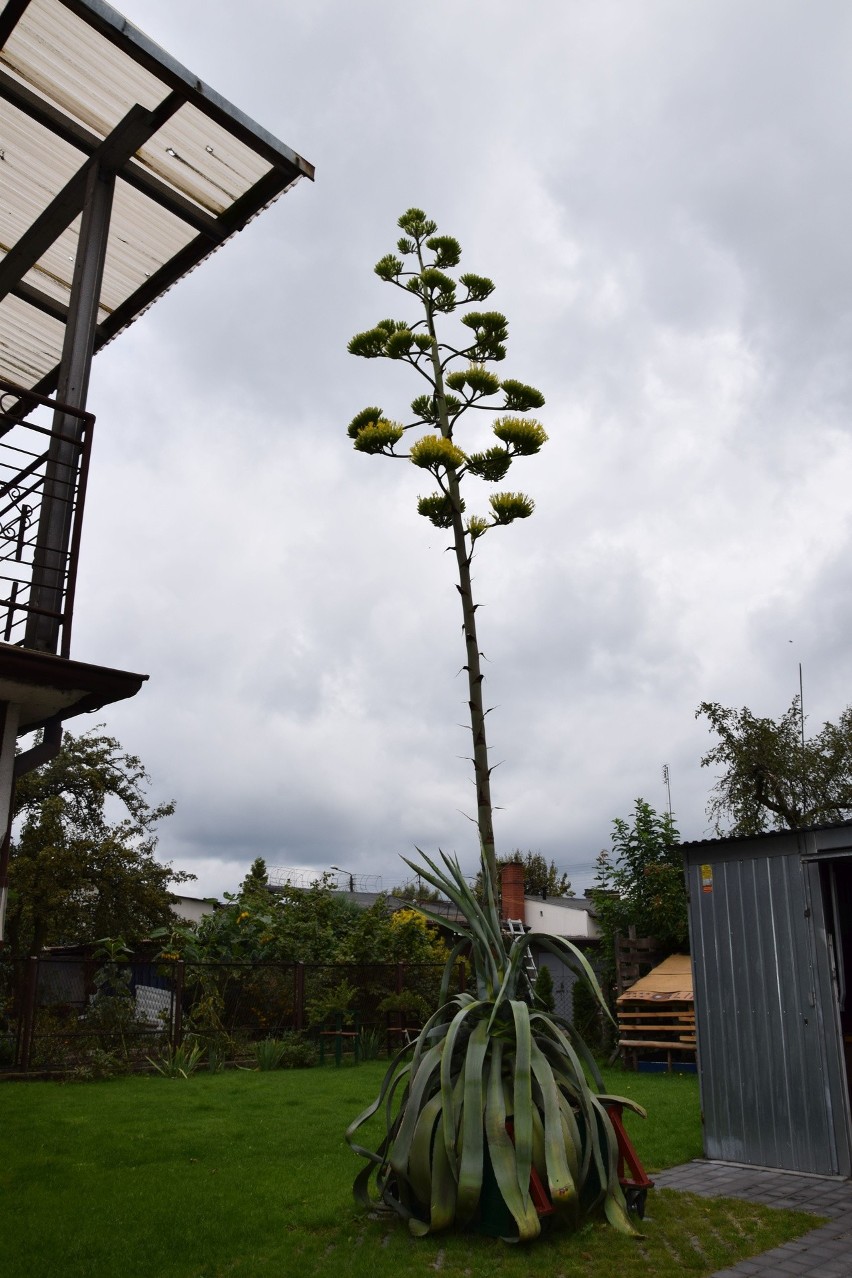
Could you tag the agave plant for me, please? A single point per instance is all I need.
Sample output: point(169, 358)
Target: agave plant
point(496, 1096)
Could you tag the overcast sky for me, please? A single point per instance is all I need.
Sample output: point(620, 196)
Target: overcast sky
point(661, 192)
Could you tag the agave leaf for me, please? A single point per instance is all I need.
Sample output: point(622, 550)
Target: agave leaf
point(386, 1090)
point(578, 1165)
point(476, 922)
point(574, 958)
point(538, 1156)
point(417, 1097)
point(607, 1099)
point(431, 1030)
point(420, 1154)
point(449, 967)
point(615, 1207)
point(443, 1200)
point(513, 972)
point(522, 1091)
point(573, 1086)
point(563, 1190)
point(448, 1081)
point(502, 1153)
point(470, 1166)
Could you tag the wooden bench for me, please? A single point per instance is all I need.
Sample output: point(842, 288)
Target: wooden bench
point(649, 1028)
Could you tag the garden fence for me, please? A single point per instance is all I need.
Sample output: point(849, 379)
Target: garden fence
point(60, 1015)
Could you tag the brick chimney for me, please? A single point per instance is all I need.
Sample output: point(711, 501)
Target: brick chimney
point(512, 891)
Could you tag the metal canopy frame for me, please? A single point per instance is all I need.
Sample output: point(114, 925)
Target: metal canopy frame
point(52, 54)
point(122, 171)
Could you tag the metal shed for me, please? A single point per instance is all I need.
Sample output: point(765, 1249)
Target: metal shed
point(771, 929)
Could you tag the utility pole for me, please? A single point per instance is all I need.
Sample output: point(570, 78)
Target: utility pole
point(667, 784)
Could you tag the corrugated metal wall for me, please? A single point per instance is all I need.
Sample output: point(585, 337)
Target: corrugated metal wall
point(772, 1082)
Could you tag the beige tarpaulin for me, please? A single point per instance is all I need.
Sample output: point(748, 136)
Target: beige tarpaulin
point(669, 982)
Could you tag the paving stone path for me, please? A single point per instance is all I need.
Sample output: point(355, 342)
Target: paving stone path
point(825, 1252)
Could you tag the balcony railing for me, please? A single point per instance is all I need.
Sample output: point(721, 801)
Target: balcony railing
point(44, 461)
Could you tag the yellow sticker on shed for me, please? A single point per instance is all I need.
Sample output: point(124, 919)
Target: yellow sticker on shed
point(707, 878)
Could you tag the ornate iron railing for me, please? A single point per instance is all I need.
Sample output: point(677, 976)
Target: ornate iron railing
point(44, 461)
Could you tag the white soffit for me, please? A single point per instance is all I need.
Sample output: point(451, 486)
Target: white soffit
point(70, 72)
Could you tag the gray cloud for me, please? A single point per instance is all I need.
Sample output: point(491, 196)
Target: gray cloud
point(659, 192)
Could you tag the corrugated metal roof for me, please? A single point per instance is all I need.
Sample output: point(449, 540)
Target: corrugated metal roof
point(76, 76)
point(764, 834)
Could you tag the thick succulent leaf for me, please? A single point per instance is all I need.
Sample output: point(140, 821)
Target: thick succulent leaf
point(606, 1098)
point(388, 1086)
point(473, 1108)
point(560, 1182)
point(420, 1154)
point(615, 1207)
point(502, 1153)
point(450, 1070)
point(420, 1091)
point(449, 967)
point(522, 1091)
point(442, 1207)
point(572, 957)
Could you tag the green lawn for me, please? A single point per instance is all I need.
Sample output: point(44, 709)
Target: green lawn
point(248, 1174)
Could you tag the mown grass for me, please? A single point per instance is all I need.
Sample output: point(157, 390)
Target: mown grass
point(247, 1174)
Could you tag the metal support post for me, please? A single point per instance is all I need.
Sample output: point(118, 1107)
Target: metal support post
point(54, 531)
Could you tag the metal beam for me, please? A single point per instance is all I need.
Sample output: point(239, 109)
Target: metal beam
point(126, 138)
point(41, 301)
point(62, 126)
point(10, 17)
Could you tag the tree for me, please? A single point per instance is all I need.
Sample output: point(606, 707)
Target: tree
point(773, 777)
point(256, 882)
point(75, 875)
point(458, 382)
point(640, 883)
point(540, 877)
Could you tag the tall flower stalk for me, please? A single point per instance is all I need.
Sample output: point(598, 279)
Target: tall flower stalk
point(459, 383)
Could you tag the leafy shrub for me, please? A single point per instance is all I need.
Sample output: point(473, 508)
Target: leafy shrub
point(178, 1062)
point(298, 1053)
point(370, 1044)
point(268, 1053)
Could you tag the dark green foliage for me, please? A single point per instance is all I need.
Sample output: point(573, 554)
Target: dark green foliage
point(543, 989)
point(771, 780)
point(256, 882)
point(587, 1018)
point(75, 875)
point(640, 883)
point(541, 877)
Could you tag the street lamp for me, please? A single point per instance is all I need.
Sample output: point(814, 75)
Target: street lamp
point(351, 876)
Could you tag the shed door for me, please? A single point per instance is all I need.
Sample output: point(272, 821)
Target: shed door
point(830, 891)
point(769, 1096)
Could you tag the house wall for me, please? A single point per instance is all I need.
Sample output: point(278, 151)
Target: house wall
point(559, 920)
point(773, 1086)
point(192, 909)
